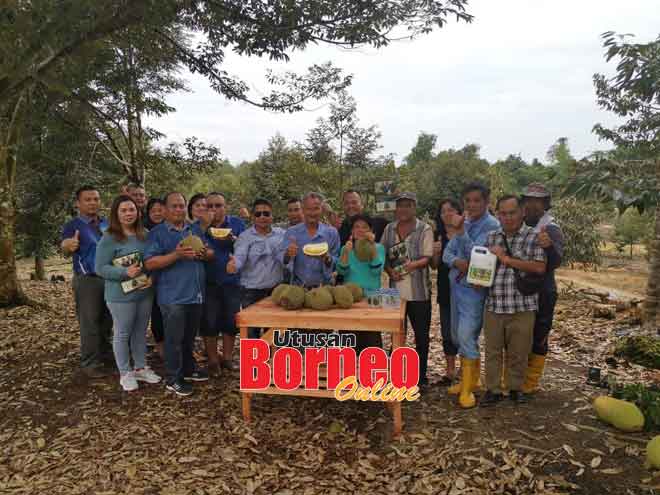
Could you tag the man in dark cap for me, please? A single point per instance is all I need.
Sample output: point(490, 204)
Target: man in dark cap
point(536, 204)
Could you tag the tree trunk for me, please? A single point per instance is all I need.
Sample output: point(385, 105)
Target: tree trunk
point(650, 311)
point(39, 268)
point(10, 290)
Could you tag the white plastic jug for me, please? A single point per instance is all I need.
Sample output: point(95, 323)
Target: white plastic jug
point(482, 267)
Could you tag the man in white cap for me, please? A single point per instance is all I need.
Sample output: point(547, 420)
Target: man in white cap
point(536, 205)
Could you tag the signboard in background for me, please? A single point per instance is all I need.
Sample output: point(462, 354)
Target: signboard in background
point(385, 193)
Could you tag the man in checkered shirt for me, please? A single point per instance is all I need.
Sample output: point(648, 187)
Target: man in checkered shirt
point(509, 316)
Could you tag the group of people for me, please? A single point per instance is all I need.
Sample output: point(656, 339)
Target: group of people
point(137, 267)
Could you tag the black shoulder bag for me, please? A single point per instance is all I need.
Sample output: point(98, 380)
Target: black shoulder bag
point(529, 283)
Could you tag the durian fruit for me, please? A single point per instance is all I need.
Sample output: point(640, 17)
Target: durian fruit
point(194, 242)
point(356, 290)
point(277, 293)
point(316, 249)
point(218, 233)
point(653, 453)
point(365, 250)
point(623, 415)
point(319, 299)
point(292, 297)
point(343, 296)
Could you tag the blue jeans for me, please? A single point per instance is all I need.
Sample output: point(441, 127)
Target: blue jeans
point(181, 323)
point(467, 313)
point(131, 320)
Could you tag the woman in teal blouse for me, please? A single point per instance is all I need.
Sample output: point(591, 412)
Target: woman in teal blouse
point(119, 257)
point(366, 274)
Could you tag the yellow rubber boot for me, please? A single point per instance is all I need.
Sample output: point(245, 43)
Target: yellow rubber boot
point(455, 389)
point(535, 366)
point(470, 377)
point(475, 386)
point(476, 380)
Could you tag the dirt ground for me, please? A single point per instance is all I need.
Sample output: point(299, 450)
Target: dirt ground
point(62, 434)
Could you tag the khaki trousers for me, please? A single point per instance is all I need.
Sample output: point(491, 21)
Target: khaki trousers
point(512, 333)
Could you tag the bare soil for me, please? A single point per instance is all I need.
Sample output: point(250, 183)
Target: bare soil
point(63, 434)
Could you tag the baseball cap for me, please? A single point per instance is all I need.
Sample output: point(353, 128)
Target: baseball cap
point(536, 190)
point(407, 195)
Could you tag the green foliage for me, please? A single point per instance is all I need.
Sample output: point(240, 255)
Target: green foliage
point(444, 175)
point(582, 240)
point(640, 349)
point(627, 175)
point(646, 398)
point(631, 228)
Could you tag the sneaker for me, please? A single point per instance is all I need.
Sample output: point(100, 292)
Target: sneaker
point(146, 374)
point(128, 382)
point(180, 388)
point(94, 372)
point(214, 371)
point(490, 399)
point(197, 376)
point(228, 364)
point(518, 397)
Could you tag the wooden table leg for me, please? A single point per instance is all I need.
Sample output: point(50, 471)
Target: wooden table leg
point(245, 396)
point(398, 419)
point(398, 340)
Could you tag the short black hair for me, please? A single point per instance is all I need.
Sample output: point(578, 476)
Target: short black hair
point(154, 201)
point(84, 188)
point(477, 186)
point(166, 198)
point(361, 217)
point(290, 201)
point(262, 202)
point(216, 193)
point(507, 197)
point(351, 191)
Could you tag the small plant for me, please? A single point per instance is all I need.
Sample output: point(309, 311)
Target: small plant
point(640, 349)
point(646, 398)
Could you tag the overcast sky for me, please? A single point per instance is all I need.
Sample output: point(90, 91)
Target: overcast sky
point(513, 81)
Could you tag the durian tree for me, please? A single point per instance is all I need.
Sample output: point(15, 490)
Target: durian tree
point(630, 175)
point(41, 41)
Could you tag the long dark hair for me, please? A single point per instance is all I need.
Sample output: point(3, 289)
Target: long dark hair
point(115, 229)
point(192, 202)
point(441, 233)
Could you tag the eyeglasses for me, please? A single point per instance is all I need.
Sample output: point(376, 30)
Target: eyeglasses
point(215, 205)
point(258, 214)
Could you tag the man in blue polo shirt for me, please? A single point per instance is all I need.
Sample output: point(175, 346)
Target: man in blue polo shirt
point(79, 238)
point(223, 289)
point(310, 271)
point(255, 257)
point(180, 290)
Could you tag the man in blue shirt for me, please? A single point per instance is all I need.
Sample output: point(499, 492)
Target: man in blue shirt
point(467, 303)
point(255, 257)
point(79, 238)
point(180, 287)
point(222, 288)
point(310, 271)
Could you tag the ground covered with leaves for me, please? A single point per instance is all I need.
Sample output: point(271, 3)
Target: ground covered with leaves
point(61, 434)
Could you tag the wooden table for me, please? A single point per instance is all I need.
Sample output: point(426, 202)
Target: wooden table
point(359, 318)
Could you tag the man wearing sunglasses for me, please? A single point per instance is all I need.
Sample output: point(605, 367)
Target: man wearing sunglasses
point(255, 257)
point(223, 298)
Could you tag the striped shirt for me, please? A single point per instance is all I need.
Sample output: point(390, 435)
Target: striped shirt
point(415, 286)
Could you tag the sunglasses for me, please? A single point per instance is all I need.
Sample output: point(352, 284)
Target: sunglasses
point(215, 205)
point(258, 214)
